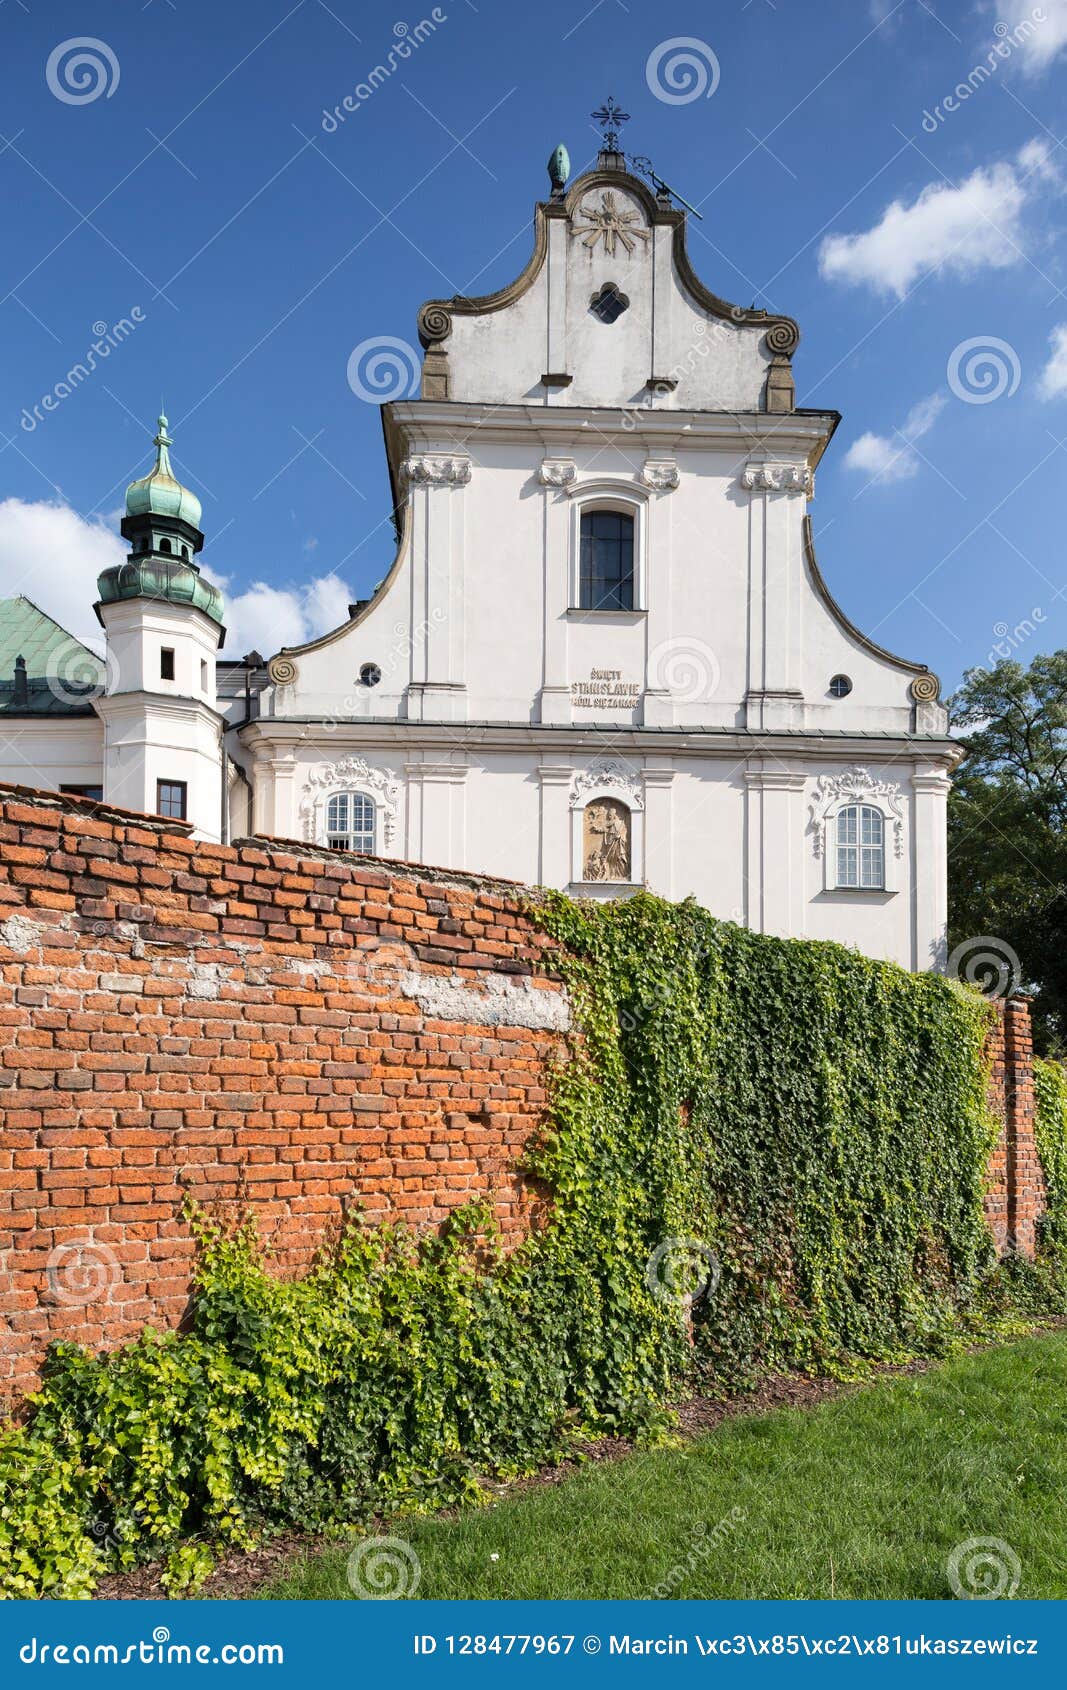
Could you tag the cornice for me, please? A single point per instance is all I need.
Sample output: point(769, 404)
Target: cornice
point(118, 704)
point(844, 747)
point(446, 425)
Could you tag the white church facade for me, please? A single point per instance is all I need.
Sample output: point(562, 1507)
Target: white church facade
point(603, 656)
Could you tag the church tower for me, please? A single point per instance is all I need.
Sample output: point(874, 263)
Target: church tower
point(163, 621)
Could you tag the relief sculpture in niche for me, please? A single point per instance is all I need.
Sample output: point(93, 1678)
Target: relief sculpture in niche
point(606, 841)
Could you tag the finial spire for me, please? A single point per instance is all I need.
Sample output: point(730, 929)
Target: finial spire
point(610, 117)
point(162, 442)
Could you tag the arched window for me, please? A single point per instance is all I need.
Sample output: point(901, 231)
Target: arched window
point(164, 545)
point(860, 846)
point(350, 822)
point(606, 562)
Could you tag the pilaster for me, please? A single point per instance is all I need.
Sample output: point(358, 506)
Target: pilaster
point(930, 867)
point(774, 841)
point(555, 844)
point(779, 489)
point(659, 830)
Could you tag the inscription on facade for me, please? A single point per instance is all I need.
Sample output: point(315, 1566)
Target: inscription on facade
point(605, 689)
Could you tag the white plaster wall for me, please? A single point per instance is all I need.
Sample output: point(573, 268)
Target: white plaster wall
point(500, 356)
point(51, 751)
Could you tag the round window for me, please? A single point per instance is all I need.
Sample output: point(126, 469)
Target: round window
point(840, 686)
point(369, 675)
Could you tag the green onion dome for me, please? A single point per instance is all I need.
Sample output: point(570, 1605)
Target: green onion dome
point(173, 579)
point(160, 493)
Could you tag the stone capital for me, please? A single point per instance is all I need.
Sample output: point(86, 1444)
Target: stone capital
point(430, 470)
point(661, 474)
point(557, 472)
point(762, 475)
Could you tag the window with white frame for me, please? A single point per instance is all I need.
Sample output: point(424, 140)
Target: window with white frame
point(860, 843)
point(350, 822)
point(606, 560)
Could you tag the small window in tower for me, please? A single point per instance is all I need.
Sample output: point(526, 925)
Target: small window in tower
point(164, 545)
point(166, 663)
point(840, 686)
point(185, 551)
point(369, 675)
point(608, 304)
point(203, 674)
point(171, 799)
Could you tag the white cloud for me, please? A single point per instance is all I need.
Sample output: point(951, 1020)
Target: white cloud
point(1038, 32)
point(893, 457)
point(264, 618)
point(974, 226)
point(1053, 382)
point(53, 555)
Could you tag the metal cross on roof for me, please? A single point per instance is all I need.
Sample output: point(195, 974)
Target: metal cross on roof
point(609, 117)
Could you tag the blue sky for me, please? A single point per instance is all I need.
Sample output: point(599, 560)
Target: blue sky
point(260, 248)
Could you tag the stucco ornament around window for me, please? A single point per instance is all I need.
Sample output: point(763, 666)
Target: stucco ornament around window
point(432, 471)
point(350, 774)
point(616, 778)
point(764, 477)
point(610, 224)
point(857, 786)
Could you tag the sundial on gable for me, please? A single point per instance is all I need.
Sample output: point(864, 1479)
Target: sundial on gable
point(611, 224)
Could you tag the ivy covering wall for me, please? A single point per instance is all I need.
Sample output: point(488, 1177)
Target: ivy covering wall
point(795, 1130)
point(1050, 1133)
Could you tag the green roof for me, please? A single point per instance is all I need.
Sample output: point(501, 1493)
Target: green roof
point(63, 676)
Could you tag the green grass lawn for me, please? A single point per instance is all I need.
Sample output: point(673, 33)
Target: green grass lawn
point(864, 1496)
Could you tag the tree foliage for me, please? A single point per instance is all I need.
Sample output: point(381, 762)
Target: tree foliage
point(1007, 829)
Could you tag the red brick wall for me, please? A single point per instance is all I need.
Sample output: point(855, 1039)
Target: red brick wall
point(1016, 1195)
point(280, 1028)
point(254, 1025)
